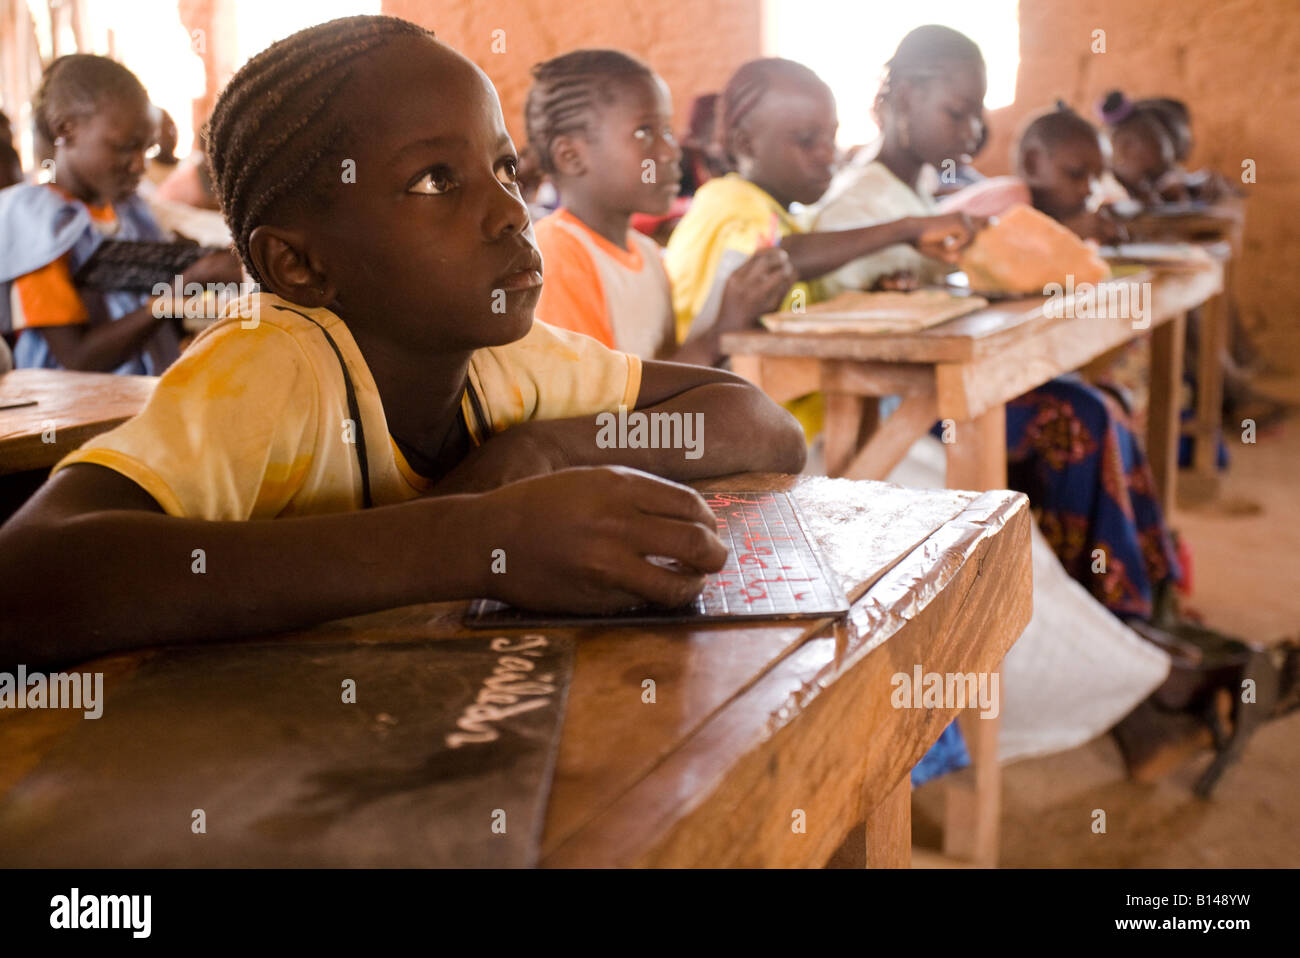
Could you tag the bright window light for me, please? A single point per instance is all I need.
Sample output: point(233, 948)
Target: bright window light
point(848, 43)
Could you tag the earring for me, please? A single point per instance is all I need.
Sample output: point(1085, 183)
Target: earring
point(60, 140)
point(904, 132)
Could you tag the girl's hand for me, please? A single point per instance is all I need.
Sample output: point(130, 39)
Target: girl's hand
point(577, 541)
point(902, 281)
point(756, 287)
point(1101, 226)
point(222, 267)
point(943, 237)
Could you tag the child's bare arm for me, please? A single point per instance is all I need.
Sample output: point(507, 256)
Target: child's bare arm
point(91, 565)
point(102, 347)
point(737, 429)
point(816, 254)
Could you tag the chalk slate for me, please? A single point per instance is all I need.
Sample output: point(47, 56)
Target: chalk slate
point(774, 570)
point(288, 775)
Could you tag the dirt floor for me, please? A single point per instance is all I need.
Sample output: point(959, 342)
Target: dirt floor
point(1247, 583)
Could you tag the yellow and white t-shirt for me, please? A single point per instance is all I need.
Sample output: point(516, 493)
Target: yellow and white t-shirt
point(253, 423)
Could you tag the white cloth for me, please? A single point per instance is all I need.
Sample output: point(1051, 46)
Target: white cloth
point(864, 195)
point(1076, 670)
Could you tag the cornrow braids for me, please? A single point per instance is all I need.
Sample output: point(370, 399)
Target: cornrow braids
point(923, 55)
point(746, 89)
point(273, 125)
point(566, 91)
point(77, 85)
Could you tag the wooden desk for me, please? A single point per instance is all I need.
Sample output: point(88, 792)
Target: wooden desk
point(1219, 230)
point(750, 724)
point(77, 405)
point(965, 371)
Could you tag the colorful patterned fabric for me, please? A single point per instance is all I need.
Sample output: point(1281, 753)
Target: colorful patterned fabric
point(1071, 449)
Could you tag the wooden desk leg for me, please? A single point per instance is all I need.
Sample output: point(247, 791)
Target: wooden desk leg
point(889, 829)
point(850, 420)
point(973, 801)
point(977, 460)
point(1209, 394)
point(1163, 422)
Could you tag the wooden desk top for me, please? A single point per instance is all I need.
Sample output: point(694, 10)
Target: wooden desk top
point(983, 333)
point(78, 405)
point(749, 723)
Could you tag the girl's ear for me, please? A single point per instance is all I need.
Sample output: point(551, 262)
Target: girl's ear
point(280, 257)
point(63, 128)
point(739, 143)
point(1030, 161)
point(569, 155)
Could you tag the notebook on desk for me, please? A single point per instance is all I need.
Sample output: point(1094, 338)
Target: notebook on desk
point(774, 570)
point(137, 265)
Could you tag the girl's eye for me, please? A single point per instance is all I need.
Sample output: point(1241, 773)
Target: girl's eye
point(435, 182)
point(644, 135)
point(508, 171)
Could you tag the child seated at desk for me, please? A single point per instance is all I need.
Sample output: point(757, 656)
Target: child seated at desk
point(391, 362)
point(96, 116)
point(777, 130)
point(1061, 157)
point(597, 120)
point(1069, 445)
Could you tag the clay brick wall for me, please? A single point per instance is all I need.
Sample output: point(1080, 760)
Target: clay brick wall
point(1236, 63)
point(695, 45)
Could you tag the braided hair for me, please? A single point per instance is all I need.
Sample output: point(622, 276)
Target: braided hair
point(273, 126)
point(922, 55)
point(746, 89)
point(566, 91)
point(77, 85)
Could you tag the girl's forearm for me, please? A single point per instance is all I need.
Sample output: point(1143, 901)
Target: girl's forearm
point(121, 579)
point(815, 254)
point(102, 347)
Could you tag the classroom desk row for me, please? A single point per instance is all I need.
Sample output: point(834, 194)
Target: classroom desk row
point(762, 721)
point(966, 370)
point(766, 744)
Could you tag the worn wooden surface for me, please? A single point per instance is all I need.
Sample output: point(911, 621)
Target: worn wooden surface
point(77, 405)
point(748, 725)
point(971, 366)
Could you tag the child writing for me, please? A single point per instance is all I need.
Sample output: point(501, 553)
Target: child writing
point(380, 396)
point(777, 129)
point(96, 116)
point(599, 120)
point(1069, 445)
point(1061, 157)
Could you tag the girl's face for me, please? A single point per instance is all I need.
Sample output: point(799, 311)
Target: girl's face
point(101, 158)
point(786, 144)
point(1061, 176)
point(633, 160)
point(1142, 155)
point(945, 114)
point(431, 245)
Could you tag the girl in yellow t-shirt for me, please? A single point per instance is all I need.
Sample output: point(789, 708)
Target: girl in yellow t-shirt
point(368, 179)
point(777, 128)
